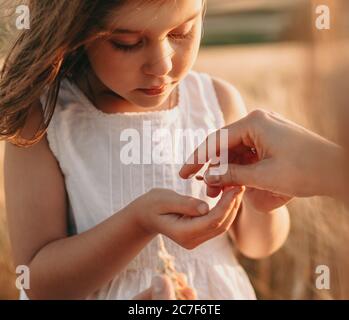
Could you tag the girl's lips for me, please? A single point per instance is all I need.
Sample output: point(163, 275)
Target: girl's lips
point(154, 91)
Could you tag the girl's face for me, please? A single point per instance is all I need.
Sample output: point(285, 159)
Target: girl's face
point(152, 48)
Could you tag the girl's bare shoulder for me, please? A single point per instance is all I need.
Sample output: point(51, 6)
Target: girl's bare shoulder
point(35, 117)
point(230, 100)
point(39, 150)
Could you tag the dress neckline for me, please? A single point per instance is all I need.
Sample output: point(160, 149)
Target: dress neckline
point(151, 115)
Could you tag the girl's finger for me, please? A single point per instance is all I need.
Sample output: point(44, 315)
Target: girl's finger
point(173, 202)
point(226, 224)
point(200, 229)
point(219, 213)
point(232, 215)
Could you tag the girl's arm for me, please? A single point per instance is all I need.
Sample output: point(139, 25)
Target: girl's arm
point(257, 232)
point(60, 266)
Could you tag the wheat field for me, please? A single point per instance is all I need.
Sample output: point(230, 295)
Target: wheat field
point(274, 77)
point(305, 84)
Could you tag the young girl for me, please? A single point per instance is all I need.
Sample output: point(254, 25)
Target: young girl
point(84, 218)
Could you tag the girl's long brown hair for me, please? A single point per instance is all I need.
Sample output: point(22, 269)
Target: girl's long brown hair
point(51, 49)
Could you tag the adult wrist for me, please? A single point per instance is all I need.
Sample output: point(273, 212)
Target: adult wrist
point(336, 173)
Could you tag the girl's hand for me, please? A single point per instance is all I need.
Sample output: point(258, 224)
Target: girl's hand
point(184, 219)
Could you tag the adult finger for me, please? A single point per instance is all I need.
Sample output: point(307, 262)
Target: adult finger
point(144, 295)
point(235, 131)
point(213, 192)
point(187, 292)
point(161, 289)
point(251, 175)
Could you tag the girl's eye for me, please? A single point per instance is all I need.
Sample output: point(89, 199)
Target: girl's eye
point(138, 45)
point(182, 36)
point(126, 47)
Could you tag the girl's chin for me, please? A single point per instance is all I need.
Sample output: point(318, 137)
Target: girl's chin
point(151, 102)
point(151, 107)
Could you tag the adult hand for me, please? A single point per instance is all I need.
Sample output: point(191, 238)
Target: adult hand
point(286, 158)
point(161, 289)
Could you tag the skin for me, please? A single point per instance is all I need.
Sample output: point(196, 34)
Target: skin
point(307, 165)
point(162, 289)
point(262, 224)
point(161, 51)
point(63, 267)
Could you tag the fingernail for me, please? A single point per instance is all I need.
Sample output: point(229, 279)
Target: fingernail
point(213, 180)
point(203, 208)
point(191, 176)
point(199, 178)
point(158, 285)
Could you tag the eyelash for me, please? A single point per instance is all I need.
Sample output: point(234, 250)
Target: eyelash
point(130, 48)
point(126, 48)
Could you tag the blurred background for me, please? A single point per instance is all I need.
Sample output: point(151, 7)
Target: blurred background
point(272, 52)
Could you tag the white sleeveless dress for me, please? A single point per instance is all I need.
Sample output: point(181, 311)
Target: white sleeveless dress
point(88, 145)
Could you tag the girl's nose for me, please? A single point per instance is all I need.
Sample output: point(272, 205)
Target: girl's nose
point(160, 60)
